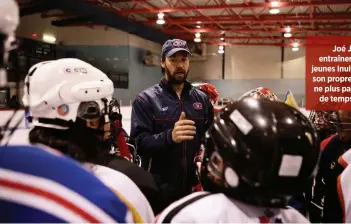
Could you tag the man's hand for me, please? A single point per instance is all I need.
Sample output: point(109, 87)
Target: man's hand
point(183, 129)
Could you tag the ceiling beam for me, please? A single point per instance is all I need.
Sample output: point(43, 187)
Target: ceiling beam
point(188, 37)
point(238, 6)
point(264, 18)
point(111, 18)
point(257, 44)
point(247, 30)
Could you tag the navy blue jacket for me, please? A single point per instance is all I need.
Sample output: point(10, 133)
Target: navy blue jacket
point(154, 113)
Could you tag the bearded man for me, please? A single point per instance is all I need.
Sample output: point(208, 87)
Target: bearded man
point(168, 122)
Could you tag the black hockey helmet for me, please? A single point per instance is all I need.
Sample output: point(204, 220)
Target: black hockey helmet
point(260, 152)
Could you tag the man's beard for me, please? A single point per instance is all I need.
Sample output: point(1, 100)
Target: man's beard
point(174, 79)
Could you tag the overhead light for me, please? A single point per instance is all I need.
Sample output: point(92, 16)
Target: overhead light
point(49, 38)
point(274, 3)
point(160, 20)
point(274, 11)
point(198, 26)
point(288, 29)
point(295, 44)
point(197, 35)
point(160, 15)
point(220, 49)
point(222, 38)
point(295, 49)
point(198, 22)
point(287, 35)
point(197, 39)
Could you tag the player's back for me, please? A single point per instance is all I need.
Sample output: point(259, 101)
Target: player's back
point(127, 190)
point(344, 186)
point(203, 207)
point(43, 186)
point(143, 179)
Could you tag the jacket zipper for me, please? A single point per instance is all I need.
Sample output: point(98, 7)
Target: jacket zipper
point(184, 149)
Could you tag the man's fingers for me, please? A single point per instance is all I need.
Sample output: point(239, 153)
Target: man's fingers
point(186, 133)
point(186, 122)
point(185, 128)
point(185, 137)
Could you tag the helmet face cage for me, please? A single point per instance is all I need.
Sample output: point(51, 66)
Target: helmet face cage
point(320, 119)
point(114, 110)
point(262, 92)
point(339, 122)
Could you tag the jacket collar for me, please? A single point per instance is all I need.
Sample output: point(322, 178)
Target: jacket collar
point(168, 86)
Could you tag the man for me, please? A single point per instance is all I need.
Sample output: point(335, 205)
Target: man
point(72, 114)
point(325, 190)
point(38, 184)
point(255, 162)
point(169, 121)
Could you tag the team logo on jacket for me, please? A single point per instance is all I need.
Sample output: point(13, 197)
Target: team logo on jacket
point(197, 106)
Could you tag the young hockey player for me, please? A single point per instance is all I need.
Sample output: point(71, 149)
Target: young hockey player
point(69, 102)
point(258, 154)
point(261, 92)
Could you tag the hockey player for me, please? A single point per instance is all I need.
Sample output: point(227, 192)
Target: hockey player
point(210, 91)
point(325, 190)
point(38, 184)
point(258, 155)
point(117, 137)
point(344, 186)
point(68, 101)
point(261, 92)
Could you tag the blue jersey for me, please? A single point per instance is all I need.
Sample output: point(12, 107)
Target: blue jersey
point(39, 186)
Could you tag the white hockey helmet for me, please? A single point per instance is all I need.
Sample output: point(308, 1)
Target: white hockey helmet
point(9, 21)
point(55, 89)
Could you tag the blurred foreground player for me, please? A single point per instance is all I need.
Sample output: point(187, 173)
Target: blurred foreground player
point(38, 185)
point(69, 101)
point(300, 201)
point(258, 155)
point(344, 187)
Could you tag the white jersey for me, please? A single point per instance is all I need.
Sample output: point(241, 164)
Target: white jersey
point(345, 159)
point(344, 186)
point(127, 190)
point(202, 207)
